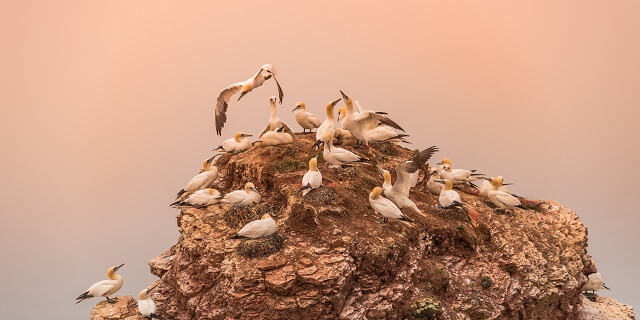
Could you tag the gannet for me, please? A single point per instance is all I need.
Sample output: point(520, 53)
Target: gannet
point(305, 119)
point(344, 137)
point(457, 176)
point(433, 186)
point(337, 157)
point(264, 227)
point(366, 120)
point(203, 180)
point(313, 178)
point(595, 283)
point(146, 305)
point(329, 123)
point(386, 185)
point(266, 72)
point(276, 137)
point(274, 121)
point(448, 197)
point(399, 192)
point(247, 197)
point(104, 288)
point(485, 186)
point(200, 199)
point(385, 207)
point(237, 144)
point(503, 200)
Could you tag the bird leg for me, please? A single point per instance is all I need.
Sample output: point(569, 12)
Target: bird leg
point(114, 300)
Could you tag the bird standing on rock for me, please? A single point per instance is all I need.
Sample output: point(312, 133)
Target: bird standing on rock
point(306, 119)
point(266, 72)
point(203, 180)
point(329, 124)
point(365, 120)
point(247, 197)
point(457, 176)
point(503, 200)
point(313, 178)
point(595, 283)
point(200, 199)
point(104, 288)
point(337, 157)
point(146, 305)
point(274, 120)
point(237, 144)
point(385, 207)
point(264, 227)
point(449, 198)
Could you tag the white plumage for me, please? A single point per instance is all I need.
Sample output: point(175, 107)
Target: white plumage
point(457, 176)
point(312, 179)
point(399, 192)
point(363, 121)
point(203, 180)
point(247, 197)
point(500, 198)
point(433, 186)
point(274, 120)
point(337, 157)
point(329, 124)
point(384, 206)
point(485, 186)
point(595, 283)
point(266, 72)
point(448, 196)
point(277, 137)
point(104, 288)
point(305, 119)
point(146, 305)
point(237, 144)
point(201, 198)
point(264, 227)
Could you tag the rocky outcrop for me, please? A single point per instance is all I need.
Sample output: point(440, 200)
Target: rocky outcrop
point(605, 308)
point(334, 258)
point(125, 308)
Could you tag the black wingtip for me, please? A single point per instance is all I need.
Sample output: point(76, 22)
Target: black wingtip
point(180, 193)
point(404, 218)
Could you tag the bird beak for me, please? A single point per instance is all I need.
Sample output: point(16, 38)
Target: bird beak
point(439, 180)
point(246, 135)
point(344, 96)
point(118, 267)
point(333, 104)
point(241, 95)
point(488, 179)
point(507, 184)
point(296, 108)
point(439, 163)
point(149, 290)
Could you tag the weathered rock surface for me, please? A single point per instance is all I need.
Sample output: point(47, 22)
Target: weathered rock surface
point(332, 257)
point(126, 308)
point(606, 308)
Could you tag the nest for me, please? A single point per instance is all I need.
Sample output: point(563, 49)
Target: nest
point(253, 248)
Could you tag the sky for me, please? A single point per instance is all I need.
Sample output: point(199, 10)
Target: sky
point(107, 111)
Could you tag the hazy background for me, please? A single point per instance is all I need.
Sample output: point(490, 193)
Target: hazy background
point(107, 111)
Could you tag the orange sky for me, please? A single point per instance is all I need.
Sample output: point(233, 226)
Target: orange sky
point(107, 112)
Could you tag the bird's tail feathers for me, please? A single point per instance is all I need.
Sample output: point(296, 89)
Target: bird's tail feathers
point(405, 218)
point(180, 193)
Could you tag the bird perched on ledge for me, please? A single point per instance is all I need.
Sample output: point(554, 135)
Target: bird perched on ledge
point(266, 72)
point(264, 227)
point(204, 179)
point(104, 288)
point(385, 207)
point(146, 305)
point(337, 157)
point(306, 119)
point(237, 144)
point(247, 197)
point(274, 121)
point(365, 120)
point(313, 178)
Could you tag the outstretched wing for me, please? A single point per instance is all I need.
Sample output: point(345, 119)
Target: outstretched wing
point(389, 122)
point(223, 103)
point(405, 169)
point(280, 93)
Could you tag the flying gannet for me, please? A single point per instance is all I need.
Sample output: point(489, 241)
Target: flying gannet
point(104, 288)
point(595, 283)
point(503, 200)
point(247, 197)
point(457, 176)
point(200, 199)
point(237, 144)
point(274, 121)
point(329, 124)
point(266, 72)
point(276, 137)
point(313, 178)
point(385, 207)
point(146, 305)
point(366, 120)
point(204, 179)
point(305, 119)
point(433, 186)
point(264, 227)
point(337, 157)
point(399, 192)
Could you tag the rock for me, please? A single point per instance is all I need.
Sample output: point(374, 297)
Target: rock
point(605, 308)
point(126, 308)
point(333, 258)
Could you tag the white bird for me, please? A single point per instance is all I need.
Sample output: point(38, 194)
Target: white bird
point(595, 283)
point(237, 144)
point(329, 124)
point(247, 197)
point(276, 137)
point(385, 133)
point(344, 137)
point(433, 186)
point(457, 176)
point(337, 157)
point(274, 120)
point(204, 179)
point(503, 200)
point(385, 207)
point(449, 198)
point(146, 305)
point(399, 192)
point(313, 178)
point(200, 199)
point(266, 72)
point(363, 121)
point(104, 288)
point(305, 119)
point(485, 186)
point(264, 227)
